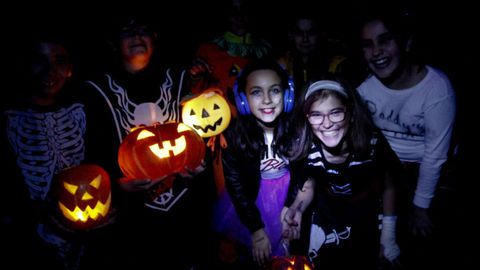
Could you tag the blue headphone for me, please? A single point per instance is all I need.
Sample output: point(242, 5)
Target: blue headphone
point(244, 108)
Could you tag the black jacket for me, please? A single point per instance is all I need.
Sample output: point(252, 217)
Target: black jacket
point(242, 180)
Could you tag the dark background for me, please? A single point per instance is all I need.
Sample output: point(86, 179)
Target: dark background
point(447, 37)
point(445, 27)
point(446, 30)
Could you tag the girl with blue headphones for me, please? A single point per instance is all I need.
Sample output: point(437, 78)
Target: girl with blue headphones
point(255, 168)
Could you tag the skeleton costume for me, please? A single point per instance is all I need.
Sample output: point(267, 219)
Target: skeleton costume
point(118, 101)
point(45, 143)
point(137, 100)
point(39, 142)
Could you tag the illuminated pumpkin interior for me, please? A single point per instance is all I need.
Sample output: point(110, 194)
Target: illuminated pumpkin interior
point(84, 195)
point(290, 263)
point(208, 114)
point(98, 211)
point(156, 151)
point(164, 151)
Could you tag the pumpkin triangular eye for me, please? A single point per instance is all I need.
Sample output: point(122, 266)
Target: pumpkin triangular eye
point(144, 134)
point(70, 188)
point(96, 182)
point(87, 196)
point(215, 106)
point(192, 112)
point(182, 127)
point(205, 113)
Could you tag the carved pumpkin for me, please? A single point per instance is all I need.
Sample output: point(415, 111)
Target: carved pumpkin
point(84, 195)
point(208, 114)
point(156, 151)
point(294, 262)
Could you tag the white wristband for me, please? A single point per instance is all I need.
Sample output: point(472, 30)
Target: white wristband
point(388, 239)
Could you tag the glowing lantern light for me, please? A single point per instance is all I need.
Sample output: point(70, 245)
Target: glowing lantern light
point(208, 114)
point(84, 195)
point(293, 262)
point(156, 151)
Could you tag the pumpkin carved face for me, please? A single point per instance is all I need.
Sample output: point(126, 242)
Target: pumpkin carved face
point(293, 262)
point(208, 114)
point(156, 151)
point(84, 195)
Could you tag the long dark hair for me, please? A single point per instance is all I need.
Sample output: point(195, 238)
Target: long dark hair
point(246, 133)
point(361, 125)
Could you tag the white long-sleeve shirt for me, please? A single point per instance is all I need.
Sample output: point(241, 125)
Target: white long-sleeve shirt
point(418, 123)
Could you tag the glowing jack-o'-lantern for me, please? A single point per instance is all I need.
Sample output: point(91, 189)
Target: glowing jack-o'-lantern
point(208, 114)
point(156, 151)
point(84, 195)
point(293, 262)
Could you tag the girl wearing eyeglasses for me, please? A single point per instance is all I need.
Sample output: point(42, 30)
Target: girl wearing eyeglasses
point(344, 170)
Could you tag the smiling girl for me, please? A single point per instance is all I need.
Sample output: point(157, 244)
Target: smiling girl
point(255, 167)
point(346, 168)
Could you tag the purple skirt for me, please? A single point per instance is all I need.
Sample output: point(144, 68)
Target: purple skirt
point(270, 202)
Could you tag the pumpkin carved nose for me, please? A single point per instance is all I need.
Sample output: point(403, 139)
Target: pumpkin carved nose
point(205, 113)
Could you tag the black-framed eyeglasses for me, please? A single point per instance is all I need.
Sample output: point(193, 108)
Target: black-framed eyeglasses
point(316, 118)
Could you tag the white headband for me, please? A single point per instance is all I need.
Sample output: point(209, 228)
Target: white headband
point(326, 85)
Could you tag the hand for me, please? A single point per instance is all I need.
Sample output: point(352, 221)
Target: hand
point(391, 254)
point(199, 68)
point(420, 222)
point(261, 247)
point(161, 187)
point(57, 224)
point(388, 239)
point(135, 185)
point(393, 265)
point(291, 223)
point(190, 173)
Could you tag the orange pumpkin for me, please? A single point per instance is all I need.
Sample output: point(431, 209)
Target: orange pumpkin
point(156, 151)
point(83, 195)
point(294, 262)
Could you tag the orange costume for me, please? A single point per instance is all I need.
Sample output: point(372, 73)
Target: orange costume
point(226, 55)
